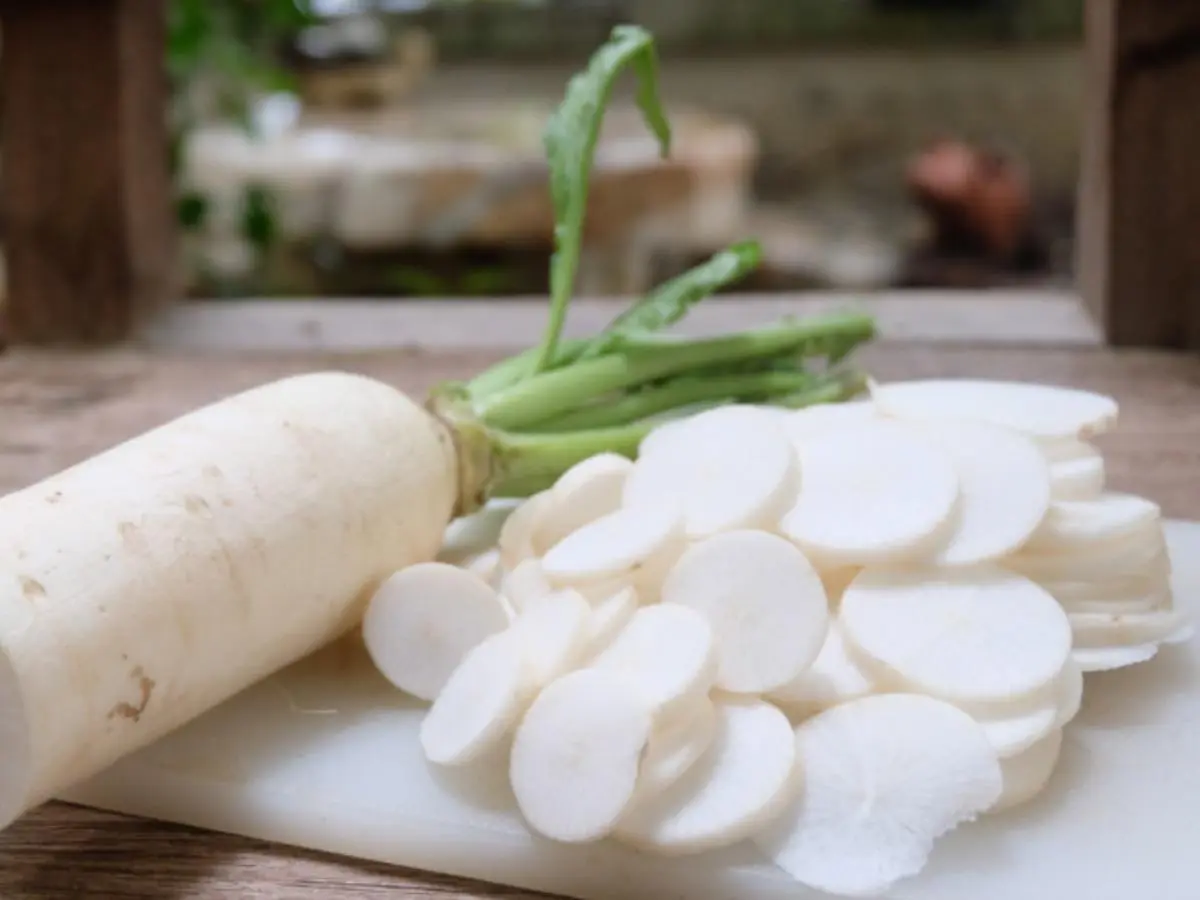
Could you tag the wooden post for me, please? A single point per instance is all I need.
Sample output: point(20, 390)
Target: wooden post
point(88, 217)
point(1139, 215)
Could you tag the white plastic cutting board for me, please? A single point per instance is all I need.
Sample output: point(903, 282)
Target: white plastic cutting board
point(325, 756)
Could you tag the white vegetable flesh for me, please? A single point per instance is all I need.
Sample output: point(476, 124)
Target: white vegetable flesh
point(1072, 524)
point(516, 541)
point(1027, 774)
point(884, 778)
point(609, 617)
point(731, 467)
point(613, 544)
point(1078, 479)
point(196, 559)
point(746, 778)
point(834, 677)
point(875, 491)
point(576, 755)
point(422, 621)
point(1103, 659)
point(525, 584)
point(676, 744)
point(764, 600)
point(554, 631)
point(585, 492)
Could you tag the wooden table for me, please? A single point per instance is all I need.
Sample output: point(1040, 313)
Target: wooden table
point(57, 409)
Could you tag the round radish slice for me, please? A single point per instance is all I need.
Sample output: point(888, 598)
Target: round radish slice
point(555, 631)
point(576, 755)
point(609, 617)
point(666, 652)
point(884, 778)
point(676, 744)
point(585, 492)
point(1011, 735)
point(871, 492)
point(470, 536)
point(972, 636)
point(480, 703)
point(727, 468)
point(1078, 479)
point(1069, 693)
point(800, 424)
point(1067, 449)
point(1074, 524)
point(1004, 491)
point(1140, 554)
point(485, 566)
point(1123, 595)
point(1108, 630)
point(422, 621)
point(525, 584)
point(765, 602)
point(744, 780)
point(833, 678)
point(1027, 774)
point(516, 540)
point(1041, 411)
point(613, 544)
point(1104, 659)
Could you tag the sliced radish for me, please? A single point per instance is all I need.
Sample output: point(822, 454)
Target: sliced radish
point(516, 540)
point(1141, 554)
point(613, 544)
point(800, 424)
point(555, 633)
point(1103, 659)
point(525, 584)
point(871, 492)
point(1069, 693)
point(836, 579)
point(485, 566)
point(1067, 449)
point(676, 744)
point(1041, 411)
point(728, 468)
point(1014, 734)
point(649, 577)
point(974, 635)
point(744, 780)
point(470, 536)
point(1146, 595)
point(764, 600)
point(1027, 774)
point(422, 620)
point(884, 778)
point(833, 678)
point(576, 754)
point(480, 702)
point(1074, 524)
point(609, 616)
point(585, 492)
point(1078, 479)
point(667, 652)
point(1115, 630)
point(1004, 491)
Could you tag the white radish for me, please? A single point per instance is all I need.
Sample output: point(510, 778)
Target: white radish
point(764, 600)
point(1069, 693)
point(800, 424)
point(677, 742)
point(731, 467)
point(836, 579)
point(975, 635)
point(884, 778)
point(1014, 734)
point(1140, 554)
point(1041, 411)
point(1103, 659)
point(470, 536)
point(1067, 450)
point(585, 492)
point(1027, 774)
point(833, 678)
point(486, 566)
point(422, 621)
point(667, 652)
point(1078, 479)
point(1093, 630)
point(554, 632)
point(194, 560)
point(746, 778)
point(516, 539)
point(1004, 491)
point(480, 703)
point(576, 755)
point(609, 617)
point(612, 545)
point(871, 492)
point(1072, 524)
point(525, 585)
point(1144, 595)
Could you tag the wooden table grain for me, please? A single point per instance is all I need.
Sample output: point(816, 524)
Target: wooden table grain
point(58, 409)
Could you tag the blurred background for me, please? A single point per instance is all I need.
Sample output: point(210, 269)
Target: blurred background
point(384, 148)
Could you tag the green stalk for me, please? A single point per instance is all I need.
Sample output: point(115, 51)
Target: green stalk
point(528, 463)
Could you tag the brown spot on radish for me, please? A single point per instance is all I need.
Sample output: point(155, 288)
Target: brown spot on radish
point(32, 589)
point(195, 504)
point(132, 538)
point(146, 687)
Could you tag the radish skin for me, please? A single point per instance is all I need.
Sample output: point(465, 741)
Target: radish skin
point(200, 557)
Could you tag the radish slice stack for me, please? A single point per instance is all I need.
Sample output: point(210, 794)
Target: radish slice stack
point(835, 633)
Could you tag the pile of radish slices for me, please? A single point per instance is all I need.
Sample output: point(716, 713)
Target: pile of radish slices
point(837, 632)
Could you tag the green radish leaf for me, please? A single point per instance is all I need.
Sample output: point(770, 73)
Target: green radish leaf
point(570, 142)
point(670, 302)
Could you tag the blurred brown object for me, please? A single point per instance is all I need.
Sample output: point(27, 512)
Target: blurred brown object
point(979, 202)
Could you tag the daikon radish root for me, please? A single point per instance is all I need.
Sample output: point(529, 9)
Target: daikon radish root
point(613, 545)
point(154, 581)
point(424, 619)
point(884, 778)
point(745, 779)
point(1078, 479)
point(1071, 525)
point(1103, 659)
point(516, 541)
point(833, 678)
point(609, 617)
point(677, 743)
point(1027, 774)
point(585, 492)
point(526, 584)
point(554, 632)
point(469, 537)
